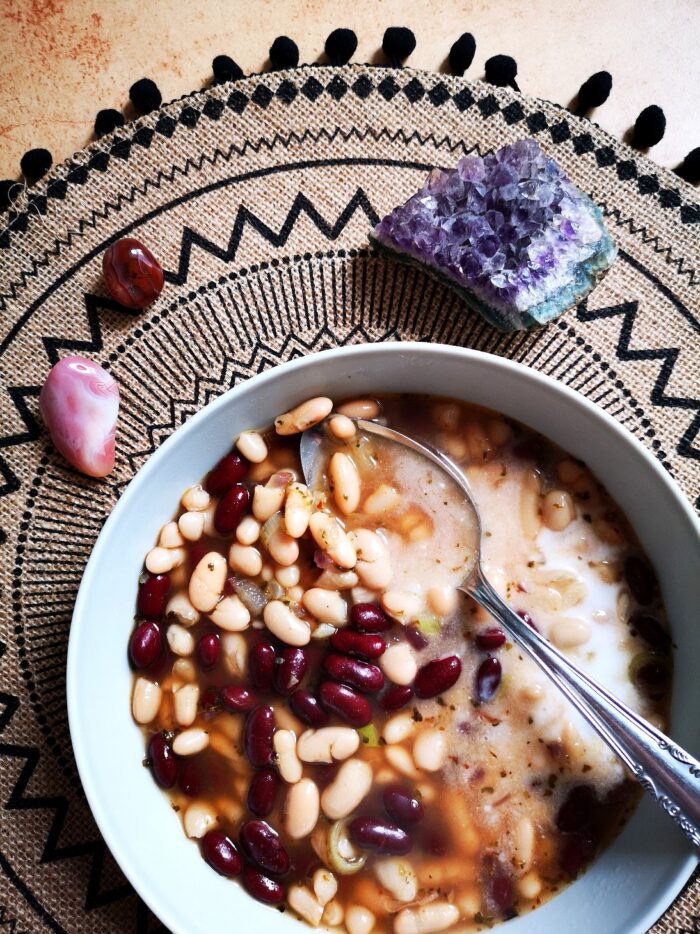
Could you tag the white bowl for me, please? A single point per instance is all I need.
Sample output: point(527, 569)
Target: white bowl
point(632, 883)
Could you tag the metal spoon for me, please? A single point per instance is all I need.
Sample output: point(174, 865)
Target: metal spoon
point(669, 773)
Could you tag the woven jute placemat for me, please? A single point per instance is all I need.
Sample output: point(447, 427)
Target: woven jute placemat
point(257, 197)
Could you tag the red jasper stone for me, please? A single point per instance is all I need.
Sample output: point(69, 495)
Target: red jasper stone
point(132, 274)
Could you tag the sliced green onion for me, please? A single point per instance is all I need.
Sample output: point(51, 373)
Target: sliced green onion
point(342, 855)
point(369, 735)
point(428, 624)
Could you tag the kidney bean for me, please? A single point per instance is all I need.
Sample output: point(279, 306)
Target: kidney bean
point(640, 580)
point(208, 650)
point(153, 593)
point(576, 812)
point(231, 508)
point(262, 887)
point(192, 779)
point(396, 697)
point(261, 665)
point(491, 638)
point(434, 840)
point(498, 885)
point(257, 736)
point(373, 833)
point(308, 708)
point(369, 617)
point(221, 853)
point(289, 669)
point(262, 792)
point(358, 674)
point(402, 806)
point(488, 678)
point(145, 644)
point(649, 628)
point(526, 618)
point(210, 698)
point(162, 760)
point(230, 470)
point(437, 676)
point(237, 699)
point(346, 703)
point(263, 846)
point(576, 850)
point(415, 637)
point(366, 645)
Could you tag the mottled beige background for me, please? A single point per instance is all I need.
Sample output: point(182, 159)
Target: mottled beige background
point(63, 60)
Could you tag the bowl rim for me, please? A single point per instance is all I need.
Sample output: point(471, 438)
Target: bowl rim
point(96, 801)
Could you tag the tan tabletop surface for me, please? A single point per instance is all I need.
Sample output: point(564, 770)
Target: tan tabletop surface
point(63, 60)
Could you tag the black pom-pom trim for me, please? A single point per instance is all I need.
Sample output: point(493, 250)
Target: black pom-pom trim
point(284, 53)
point(594, 91)
point(225, 69)
point(145, 96)
point(397, 44)
point(462, 53)
point(7, 188)
point(501, 71)
point(340, 46)
point(649, 127)
point(35, 163)
point(689, 169)
point(107, 121)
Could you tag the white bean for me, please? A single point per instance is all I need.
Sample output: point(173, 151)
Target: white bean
point(170, 536)
point(190, 742)
point(349, 787)
point(396, 875)
point(360, 408)
point(530, 518)
point(267, 500)
point(248, 531)
point(323, 631)
point(325, 885)
point(209, 526)
point(331, 538)
point(231, 614)
point(333, 914)
point(345, 482)
point(529, 886)
point(191, 525)
point(427, 919)
point(185, 703)
point(234, 647)
point(499, 432)
point(304, 416)
point(295, 593)
point(331, 579)
point(402, 605)
point(327, 744)
point(359, 920)
point(145, 702)
point(327, 606)
point(558, 510)
point(297, 509)
point(245, 559)
point(398, 728)
point(285, 624)
point(524, 842)
point(161, 560)
point(180, 607)
point(373, 562)
point(183, 670)
point(430, 749)
point(400, 758)
point(207, 582)
point(199, 818)
point(252, 446)
point(302, 900)
point(288, 576)
point(180, 640)
point(195, 499)
point(301, 809)
point(285, 743)
point(383, 500)
point(399, 664)
point(442, 600)
point(341, 427)
point(568, 632)
point(282, 548)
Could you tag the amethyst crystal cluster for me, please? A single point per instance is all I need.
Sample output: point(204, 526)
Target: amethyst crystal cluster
point(516, 238)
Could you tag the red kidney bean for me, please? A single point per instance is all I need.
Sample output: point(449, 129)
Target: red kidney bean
point(208, 650)
point(366, 645)
point(369, 617)
point(415, 637)
point(576, 812)
point(346, 703)
point(261, 665)
point(491, 638)
point(237, 699)
point(289, 669)
point(308, 708)
point(576, 850)
point(262, 792)
point(640, 579)
point(210, 698)
point(263, 846)
point(498, 885)
point(132, 274)
point(162, 760)
point(358, 674)
point(396, 697)
point(145, 644)
point(488, 678)
point(526, 618)
point(192, 780)
point(649, 628)
point(434, 840)
point(437, 676)
point(230, 470)
point(402, 806)
point(257, 736)
point(153, 593)
point(221, 853)
point(262, 887)
point(373, 833)
point(231, 508)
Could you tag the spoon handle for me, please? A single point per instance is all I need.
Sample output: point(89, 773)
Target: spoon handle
point(670, 773)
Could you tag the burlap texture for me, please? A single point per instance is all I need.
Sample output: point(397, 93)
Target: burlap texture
point(257, 199)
